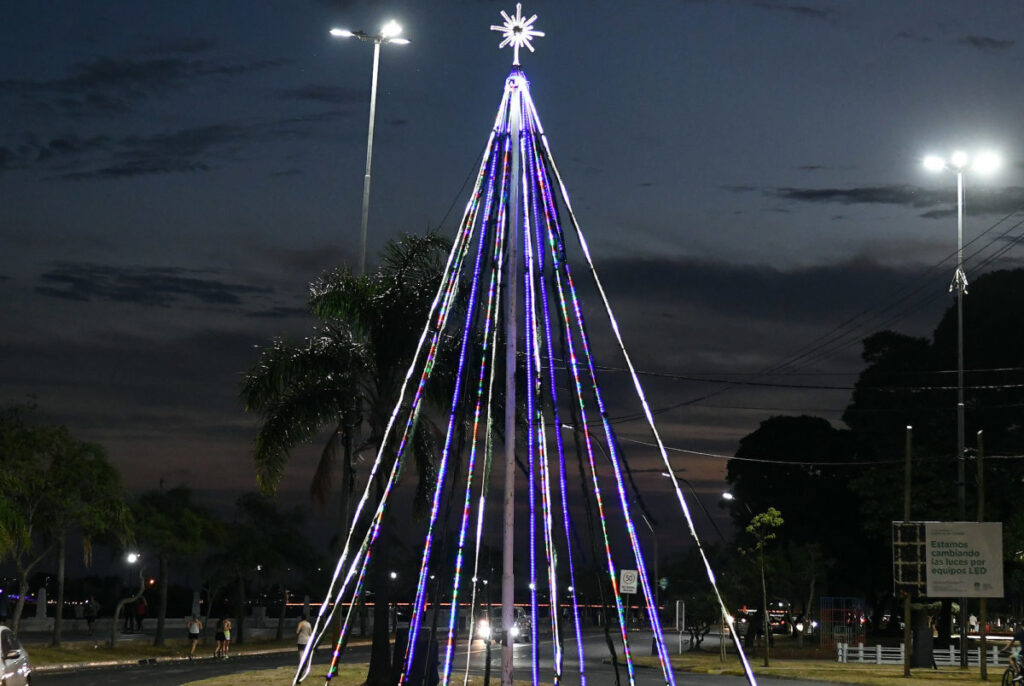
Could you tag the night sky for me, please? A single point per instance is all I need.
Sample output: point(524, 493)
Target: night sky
point(748, 174)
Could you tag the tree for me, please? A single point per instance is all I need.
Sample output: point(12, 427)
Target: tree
point(345, 378)
point(762, 529)
point(264, 541)
point(173, 526)
point(90, 499)
point(789, 469)
point(31, 488)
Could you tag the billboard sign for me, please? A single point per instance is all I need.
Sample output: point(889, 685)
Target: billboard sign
point(964, 559)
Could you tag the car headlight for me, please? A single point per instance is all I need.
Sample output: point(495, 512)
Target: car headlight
point(514, 632)
point(483, 630)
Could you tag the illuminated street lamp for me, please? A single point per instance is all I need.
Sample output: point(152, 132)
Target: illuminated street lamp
point(388, 34)
point(984, 163)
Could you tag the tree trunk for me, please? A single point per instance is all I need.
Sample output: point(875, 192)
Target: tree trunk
point(122, 603)
point(764, 611)
point(238, 632)
point(161, 611)
point(279, 635)
point(62, 543)
point(380, 651)
point(22, 592)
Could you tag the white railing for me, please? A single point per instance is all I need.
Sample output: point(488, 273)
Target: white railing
point(886, 655)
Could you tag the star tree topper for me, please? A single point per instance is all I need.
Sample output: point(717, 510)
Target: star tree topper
point(517, 32)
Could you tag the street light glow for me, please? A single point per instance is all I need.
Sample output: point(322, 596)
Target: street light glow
point(341, 33)
point(934, 163)
point(390, 30)
point(132, 558)
point(986, 163)
point(728, 496)
point(394, 575)
point(959, 159)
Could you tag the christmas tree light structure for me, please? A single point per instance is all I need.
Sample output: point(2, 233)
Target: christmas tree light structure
point(519, 373)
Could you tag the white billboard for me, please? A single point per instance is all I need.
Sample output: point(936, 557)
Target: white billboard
point(964, 559)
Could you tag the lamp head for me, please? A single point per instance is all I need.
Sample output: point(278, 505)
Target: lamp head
point(728, 496)
point(959, 159)
point(390, 30)
point(132, 558)
point(341, 33)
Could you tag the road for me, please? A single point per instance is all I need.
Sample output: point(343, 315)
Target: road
point(598, 670)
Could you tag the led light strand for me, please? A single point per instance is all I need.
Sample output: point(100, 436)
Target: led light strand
point(579, 395)
point(417, 610)
point(536, 274)
point(531, 461)
point(445, 294)
point(542, 184)
point(486, 356)
point(496, 280)
point(634, 543)
point(679, 494)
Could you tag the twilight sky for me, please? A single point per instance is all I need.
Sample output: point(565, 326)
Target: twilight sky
point(172, 176)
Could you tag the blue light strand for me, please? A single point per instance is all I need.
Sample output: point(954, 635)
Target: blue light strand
point(530, 435)
point(416, 620)
point(536, 269)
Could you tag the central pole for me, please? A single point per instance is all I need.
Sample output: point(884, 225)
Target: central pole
point(961, 478)
point(511, 339)
point(369, 156)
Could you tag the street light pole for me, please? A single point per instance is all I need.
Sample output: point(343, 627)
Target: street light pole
point(388, 34)
point(984, 163)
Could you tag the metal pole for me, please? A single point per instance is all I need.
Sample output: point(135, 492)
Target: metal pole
point(960, 457)
point(507, 577)
point(907, 643)
point(369, 155)
point(983, 609)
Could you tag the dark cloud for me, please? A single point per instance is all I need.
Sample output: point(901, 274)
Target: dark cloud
point(986, 43)
point(187, 150)
point(182, 45)
point(883, 195)
point(757, 292)
point(148, 286)
point(1003, 201)
point(802, 10)
point(917, 37)
point(112, 86)
point(280, 312)
point(336, 95)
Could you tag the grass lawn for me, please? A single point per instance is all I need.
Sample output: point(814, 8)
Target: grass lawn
point(824, 670)
point(42, 654)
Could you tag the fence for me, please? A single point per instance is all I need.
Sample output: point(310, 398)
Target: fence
point(893, 655)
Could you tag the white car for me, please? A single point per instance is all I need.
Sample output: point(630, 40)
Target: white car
point(17, 671)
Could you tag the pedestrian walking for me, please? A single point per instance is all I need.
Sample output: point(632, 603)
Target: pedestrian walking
point(227, 637)
point(92, 611)
point(219, 637)
point(194, 627)
point(302, 633)
point(141, 608)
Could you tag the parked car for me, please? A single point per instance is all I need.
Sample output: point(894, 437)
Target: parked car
point(17, 670)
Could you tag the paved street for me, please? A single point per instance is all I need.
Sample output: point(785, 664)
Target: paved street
point(598, 668)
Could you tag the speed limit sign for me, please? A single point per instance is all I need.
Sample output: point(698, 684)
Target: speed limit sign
point(627, 580)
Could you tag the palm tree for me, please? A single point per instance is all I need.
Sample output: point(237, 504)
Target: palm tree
point(345, 378)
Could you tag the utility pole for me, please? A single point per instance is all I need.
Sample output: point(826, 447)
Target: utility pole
point(907, 452)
